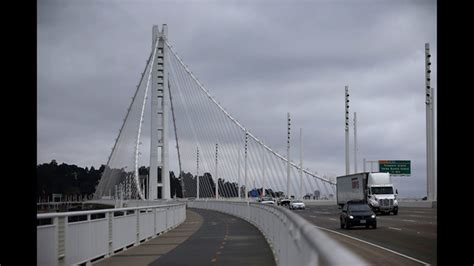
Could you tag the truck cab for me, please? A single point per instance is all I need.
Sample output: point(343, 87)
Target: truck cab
point(381, 195)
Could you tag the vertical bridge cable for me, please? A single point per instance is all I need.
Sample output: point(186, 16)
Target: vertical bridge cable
point(137, 183)
point(115, 168)
point(177, 143)
point(178, 75)
point(207, 123)
point(235, 121)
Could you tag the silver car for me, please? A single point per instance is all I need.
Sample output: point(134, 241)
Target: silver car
point(267, 200)
point(297, 204)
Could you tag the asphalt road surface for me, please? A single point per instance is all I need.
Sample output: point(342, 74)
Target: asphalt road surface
point(408, 238)
point(221, 240)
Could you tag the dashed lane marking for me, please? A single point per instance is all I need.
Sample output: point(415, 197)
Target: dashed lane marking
point(394, 228)
point(372, 244)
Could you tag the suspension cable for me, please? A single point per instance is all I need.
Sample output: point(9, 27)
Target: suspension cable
point(232, 118)
point(177, 143)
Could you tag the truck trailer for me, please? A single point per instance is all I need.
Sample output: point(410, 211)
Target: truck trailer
point(375, 189)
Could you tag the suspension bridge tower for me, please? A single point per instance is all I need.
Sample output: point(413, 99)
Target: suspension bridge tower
point(159, 187)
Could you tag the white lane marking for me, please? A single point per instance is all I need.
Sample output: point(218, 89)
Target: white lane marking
point(422, 212)
point(363, 241)
point(313, 216)
point(394, 228)
point(422, 216)
point(404, 220)
point(333, 219)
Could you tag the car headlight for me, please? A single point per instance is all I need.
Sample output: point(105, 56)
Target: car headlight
point(395, 202)
point(351, 217)
point(373, 216)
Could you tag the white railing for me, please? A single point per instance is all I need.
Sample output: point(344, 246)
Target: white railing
point(79, 237)
point(294, 240)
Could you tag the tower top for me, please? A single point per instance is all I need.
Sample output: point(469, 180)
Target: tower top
point(156, 33)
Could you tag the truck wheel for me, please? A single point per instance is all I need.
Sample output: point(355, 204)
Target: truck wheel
point(348, 226)
point(342, 225)
point(395, 212)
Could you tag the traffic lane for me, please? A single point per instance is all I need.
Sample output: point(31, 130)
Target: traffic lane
point(372, 255)
point(221, 240)
point(425, 224)
point(417, 240)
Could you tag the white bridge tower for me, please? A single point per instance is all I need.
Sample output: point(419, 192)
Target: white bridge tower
point(159, 187)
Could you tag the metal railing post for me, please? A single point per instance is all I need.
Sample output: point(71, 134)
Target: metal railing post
point(137, 240)
point(61, 227)
point(110, 217)
point(154, 222)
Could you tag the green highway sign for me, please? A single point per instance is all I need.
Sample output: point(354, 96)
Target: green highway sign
point(395, 167)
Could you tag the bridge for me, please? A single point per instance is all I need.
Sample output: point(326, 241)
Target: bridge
point(222, 169)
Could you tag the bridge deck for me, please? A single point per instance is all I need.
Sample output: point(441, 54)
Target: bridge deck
point(206, 237)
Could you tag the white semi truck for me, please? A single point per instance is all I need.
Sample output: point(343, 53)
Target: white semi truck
point(376, 189)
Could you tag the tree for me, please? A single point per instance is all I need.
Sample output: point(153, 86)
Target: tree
point(66, 179)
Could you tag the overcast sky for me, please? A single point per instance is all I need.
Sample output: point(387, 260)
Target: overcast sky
point(260, 59)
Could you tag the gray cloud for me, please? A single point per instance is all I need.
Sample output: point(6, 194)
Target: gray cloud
point(260, 59)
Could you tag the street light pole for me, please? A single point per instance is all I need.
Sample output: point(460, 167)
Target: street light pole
point(355, 142)
point(430, 146)
point(217, 178)
point(197, 174)
point(301, 163)
point(347, 129)
point(288, 158)
point(245, 166)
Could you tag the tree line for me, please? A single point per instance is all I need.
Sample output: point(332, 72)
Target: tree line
point(73, 180)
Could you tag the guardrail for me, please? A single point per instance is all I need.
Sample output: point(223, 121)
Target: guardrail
point(294, 240)
point(80, 237)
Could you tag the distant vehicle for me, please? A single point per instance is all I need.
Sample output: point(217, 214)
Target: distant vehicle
point(297, 204)
point(317, 194)
point(253, 193)
point(376, 189)
point(308, 196)
point(267, 200)
point(357, 213)
point(283, 202)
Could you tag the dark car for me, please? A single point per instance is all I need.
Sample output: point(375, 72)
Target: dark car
point(357, 213)
point(284, 202)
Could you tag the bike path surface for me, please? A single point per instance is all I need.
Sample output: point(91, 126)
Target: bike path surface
point(221, 240)
point(204, 238)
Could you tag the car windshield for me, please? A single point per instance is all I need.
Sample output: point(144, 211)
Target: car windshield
point(359, 207)
point(382, 190)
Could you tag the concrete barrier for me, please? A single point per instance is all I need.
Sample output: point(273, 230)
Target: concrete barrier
point(294, 240)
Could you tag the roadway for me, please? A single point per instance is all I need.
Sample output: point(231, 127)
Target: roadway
point(205, 238)
point(221, 240)
point(408, 238)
